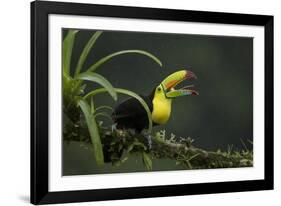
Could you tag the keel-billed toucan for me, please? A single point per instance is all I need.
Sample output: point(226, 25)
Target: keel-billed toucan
point(130, 114)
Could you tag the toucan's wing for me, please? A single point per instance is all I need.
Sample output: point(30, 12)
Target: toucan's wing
point(130, 108)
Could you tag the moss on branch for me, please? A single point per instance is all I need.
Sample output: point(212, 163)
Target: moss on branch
point(118, 145)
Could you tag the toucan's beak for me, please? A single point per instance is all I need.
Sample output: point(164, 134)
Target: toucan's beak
point(174, 79)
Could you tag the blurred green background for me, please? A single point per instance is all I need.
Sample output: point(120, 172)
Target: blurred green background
point(221, 115)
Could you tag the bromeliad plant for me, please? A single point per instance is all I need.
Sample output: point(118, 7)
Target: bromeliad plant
point(74, 85)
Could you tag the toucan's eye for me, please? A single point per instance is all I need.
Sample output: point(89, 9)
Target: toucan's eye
point(158, 89)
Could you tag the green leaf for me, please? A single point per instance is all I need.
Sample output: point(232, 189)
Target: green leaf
point(97, 78)
point(109, 57)
point(104, 107)
point(67, 51)
point(86, 51)
point(93, 130)
point(130, 93)
point(92, 106)
point(147, 161)
point(103, 114)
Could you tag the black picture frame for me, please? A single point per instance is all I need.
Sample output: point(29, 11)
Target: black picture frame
point(40, 114)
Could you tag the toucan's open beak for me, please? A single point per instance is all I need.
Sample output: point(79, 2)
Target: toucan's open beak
point(174, 79)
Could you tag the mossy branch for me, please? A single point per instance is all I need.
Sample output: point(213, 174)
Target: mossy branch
point(118, 145)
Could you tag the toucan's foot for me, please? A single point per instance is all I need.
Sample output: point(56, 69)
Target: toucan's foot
point(149, 140)
point(113, 127)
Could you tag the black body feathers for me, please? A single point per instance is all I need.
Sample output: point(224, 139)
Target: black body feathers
point(130, 114)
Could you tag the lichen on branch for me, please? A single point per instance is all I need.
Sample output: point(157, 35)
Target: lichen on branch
point(118, 145)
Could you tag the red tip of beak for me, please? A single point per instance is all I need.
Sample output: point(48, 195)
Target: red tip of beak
point(190, 75)
point(194, 93)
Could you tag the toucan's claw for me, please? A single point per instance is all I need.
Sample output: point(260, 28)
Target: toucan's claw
point(149, 140)
point(113, 127)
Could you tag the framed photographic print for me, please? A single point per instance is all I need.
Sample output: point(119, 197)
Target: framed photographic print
point(133, 102)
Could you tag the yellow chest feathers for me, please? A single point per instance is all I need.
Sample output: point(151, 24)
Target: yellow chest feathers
point(161, 110)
